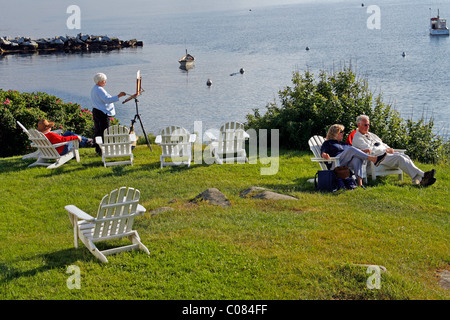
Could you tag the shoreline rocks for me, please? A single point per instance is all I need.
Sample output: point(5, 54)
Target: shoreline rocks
point(64, 44)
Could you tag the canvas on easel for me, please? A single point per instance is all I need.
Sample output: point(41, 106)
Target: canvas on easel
point(139, 90)
point(138, 87)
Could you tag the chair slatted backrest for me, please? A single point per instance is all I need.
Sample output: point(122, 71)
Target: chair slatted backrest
point(175, 141)
point(23, 128)
point(47, 149)
point(116, 212)
point(315, 143)
point(117, 141)
point(231, 137)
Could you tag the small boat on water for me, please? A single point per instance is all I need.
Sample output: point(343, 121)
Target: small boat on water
point(438, 26)
point(187, 61)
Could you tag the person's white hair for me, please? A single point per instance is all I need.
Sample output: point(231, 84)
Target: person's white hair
point(358, 120)
point(99, 77)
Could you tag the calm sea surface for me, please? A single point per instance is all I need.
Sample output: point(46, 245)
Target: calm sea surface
point(268, 42)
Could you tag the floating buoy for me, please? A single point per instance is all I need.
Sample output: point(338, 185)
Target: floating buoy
point(403, 54)
point(242, 70)
point(307, 48)
point(209, 83)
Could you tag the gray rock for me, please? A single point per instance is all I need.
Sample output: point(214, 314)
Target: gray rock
point(156, 211)
point(213, 196)
point(263, 193)
point(444, 279)
point(269, 195)
point(251, 191)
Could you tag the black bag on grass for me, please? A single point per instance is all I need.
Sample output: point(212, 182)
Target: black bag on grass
point(325, 180)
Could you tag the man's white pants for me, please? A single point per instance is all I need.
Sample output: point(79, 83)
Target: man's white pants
point(403, 162)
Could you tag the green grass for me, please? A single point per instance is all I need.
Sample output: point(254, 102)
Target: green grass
point(256, 249)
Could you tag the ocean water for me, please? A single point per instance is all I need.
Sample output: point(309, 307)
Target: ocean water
point(267, 41)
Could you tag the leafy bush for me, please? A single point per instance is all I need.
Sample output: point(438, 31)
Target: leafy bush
point(28, 108)
point(311, 106)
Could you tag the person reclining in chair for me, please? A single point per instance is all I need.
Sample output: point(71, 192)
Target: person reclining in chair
point(348, 155)
point(46, 126)
point(364, 139)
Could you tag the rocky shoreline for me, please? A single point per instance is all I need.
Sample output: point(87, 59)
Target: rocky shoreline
point(64, 44)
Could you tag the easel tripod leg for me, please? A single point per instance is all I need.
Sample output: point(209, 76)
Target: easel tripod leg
point(145, 133)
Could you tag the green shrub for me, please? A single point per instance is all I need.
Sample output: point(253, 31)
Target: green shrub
point(28, 108)
point(311, 106)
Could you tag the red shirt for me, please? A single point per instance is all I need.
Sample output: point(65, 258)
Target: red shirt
point(350, 137)
point(55, 138)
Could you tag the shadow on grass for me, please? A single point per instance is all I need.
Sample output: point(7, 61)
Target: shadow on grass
point(58, 259)
point(303, 185)
point(17, 164)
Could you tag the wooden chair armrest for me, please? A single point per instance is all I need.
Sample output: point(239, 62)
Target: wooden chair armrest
point(140, 209)
point(56, 145)
point(210, 135)
point(99, 140)
point(332, 159)
point(80, 214)
point(158, 139)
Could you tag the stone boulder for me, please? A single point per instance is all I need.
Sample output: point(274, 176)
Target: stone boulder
point(213, 196)
point(263, 193)
point(270, 195)
point(157, 211)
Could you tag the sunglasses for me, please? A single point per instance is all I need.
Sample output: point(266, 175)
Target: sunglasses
point(366, 125)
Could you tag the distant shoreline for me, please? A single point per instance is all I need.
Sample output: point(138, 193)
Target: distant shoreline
point(66, 44)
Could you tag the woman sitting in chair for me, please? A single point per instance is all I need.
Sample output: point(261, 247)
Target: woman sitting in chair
point(45, 127)
point(347, 154)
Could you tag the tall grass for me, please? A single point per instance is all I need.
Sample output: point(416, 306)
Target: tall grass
point(310, 248)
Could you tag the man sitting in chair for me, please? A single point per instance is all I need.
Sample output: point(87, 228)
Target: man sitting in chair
point(46, 126)
point(364, 139)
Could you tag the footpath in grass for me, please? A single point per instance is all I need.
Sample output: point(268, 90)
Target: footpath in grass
point(319, 246)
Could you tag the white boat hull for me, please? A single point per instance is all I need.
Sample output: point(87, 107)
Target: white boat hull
point(439, 32)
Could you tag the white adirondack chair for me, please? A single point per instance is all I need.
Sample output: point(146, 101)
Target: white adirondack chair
point(176, 144)
point(118, 144)
point(315, 143)
point(382, 170)
point(229, 146)
point(35, 154)
point(114, 220)
point(47, 151)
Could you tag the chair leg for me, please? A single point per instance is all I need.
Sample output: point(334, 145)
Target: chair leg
point(61, 161)
point(97, 253)
point(33, 155)
point(136, 240)
point(39, 162)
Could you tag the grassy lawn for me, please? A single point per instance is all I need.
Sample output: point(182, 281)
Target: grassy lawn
point(312, 248)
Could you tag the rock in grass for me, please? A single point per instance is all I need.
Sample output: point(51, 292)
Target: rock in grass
point(263, 193)
point(270, 195)
point(444, 279)
point(160, 210)
point(213, 196)
point(250, 192)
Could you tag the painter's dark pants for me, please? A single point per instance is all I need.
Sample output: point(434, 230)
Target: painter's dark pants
point(101, 122)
